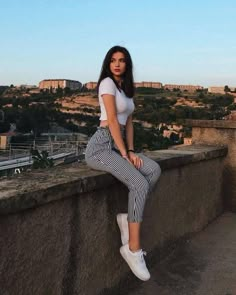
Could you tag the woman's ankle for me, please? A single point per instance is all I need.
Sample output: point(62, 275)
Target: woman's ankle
point(134, 248)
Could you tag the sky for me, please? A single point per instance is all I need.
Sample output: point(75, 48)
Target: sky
point(171, 41)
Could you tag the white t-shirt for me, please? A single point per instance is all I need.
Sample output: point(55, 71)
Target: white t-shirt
point(124, 104)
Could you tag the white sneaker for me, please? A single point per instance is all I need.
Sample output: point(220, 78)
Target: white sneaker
point(136, 262)
point(124, 228)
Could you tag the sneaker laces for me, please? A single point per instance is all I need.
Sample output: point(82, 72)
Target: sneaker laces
point(142, 253)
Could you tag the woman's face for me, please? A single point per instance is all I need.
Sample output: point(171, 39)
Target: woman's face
point(118, 65)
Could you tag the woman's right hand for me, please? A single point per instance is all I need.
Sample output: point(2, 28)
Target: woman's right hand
point(126, 157)
point(135, 160)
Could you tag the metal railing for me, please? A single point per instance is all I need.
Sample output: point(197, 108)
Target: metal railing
point(20, 150)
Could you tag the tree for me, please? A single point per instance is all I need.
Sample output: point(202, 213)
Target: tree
point(163, 127)
point(201, 95)
point(15, 103)
point(67, 91)
point(35, 118)
point(59, 91)
point(41, 159)
point(4, 127)
point(226, 88)
point(174, 137)
point(1, 116)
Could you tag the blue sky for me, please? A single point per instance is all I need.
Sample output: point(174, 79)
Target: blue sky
point(182, 42)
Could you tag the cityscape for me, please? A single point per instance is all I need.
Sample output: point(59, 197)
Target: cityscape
point(165, 106)
point(74, 85)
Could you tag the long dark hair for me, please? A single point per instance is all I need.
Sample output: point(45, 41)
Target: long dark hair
point(127, 84)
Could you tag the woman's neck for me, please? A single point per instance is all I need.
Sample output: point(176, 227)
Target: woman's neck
point(118, 80)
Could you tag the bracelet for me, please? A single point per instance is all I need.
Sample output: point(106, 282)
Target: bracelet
point(131, 151)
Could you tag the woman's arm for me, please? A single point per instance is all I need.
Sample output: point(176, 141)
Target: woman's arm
point(114, 126)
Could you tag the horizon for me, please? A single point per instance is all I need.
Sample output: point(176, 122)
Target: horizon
point(172, 43)
point(90, 81)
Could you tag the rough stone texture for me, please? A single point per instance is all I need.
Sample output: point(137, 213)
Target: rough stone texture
point(201, 265)
point(58, 229)
point(39, 187)
point(220, 133)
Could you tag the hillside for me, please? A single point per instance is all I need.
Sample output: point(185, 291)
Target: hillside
point(155, 113)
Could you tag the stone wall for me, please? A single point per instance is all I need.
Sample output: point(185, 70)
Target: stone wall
point(58, 228)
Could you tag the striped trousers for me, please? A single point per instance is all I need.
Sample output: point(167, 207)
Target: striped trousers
point(100, 155)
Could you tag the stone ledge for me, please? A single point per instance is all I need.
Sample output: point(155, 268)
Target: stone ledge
point(38, 187)
point(227, 124)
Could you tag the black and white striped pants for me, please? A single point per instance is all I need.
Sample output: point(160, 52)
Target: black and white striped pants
point(100, 155)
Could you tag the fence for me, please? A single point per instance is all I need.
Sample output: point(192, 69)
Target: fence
point(19, 150)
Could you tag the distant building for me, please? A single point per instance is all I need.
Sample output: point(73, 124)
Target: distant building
point(5, 139)
point(231, 116)
point(29, 88)
point(219, 89)
point(91, 85)
point(59, 83)
point(167, 133)
point(26, 86)
point(34, 90)
point(183, 87)
point(216, 89)
point(148, 84)
point(188, 140)
point(172, 127)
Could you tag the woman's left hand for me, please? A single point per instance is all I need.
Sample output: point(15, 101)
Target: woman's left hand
point(135, 160)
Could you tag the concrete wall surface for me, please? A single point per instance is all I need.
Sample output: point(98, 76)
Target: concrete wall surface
point(220, 132)
point(58, 227)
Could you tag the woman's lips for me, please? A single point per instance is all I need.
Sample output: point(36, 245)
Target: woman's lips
point(117, 70)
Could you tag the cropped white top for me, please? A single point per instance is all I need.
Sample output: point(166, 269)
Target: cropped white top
point(124, 104)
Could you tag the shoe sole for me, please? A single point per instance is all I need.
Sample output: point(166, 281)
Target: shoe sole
point(119, 222)
point(123, 254)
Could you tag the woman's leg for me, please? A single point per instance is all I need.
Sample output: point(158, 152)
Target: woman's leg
point(137, 184)
point(134, 236)
point(150, 170)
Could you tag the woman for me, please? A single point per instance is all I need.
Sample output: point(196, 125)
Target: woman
point(111, 149)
